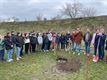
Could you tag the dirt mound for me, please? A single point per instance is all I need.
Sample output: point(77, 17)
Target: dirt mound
point(71, 64)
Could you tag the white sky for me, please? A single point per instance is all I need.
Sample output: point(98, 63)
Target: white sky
point(29, 9)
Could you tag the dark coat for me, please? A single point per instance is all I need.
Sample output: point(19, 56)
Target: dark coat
point(8, 42)
point(63, 39)
point(45, 39)
point(89, 37)
point(19, 41)
point(100, 40)
point(14, 38)
point(33, 40)
point(57, 39)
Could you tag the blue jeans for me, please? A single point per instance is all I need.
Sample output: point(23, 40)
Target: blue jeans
point(2, 55)
point(72, 47)
point(95, 49)
point(9, 54)
point(87, 47)
point(77, 47)
point(101, 52)
point(46, 47)
point(18, 50)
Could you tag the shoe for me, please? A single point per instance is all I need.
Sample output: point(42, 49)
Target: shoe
point(95, 59)
point(17, 59)
point(85, 53)
point(47, 50)
point(78, 54)
point(73, 52)
point(88, 54)
point(20, 57)
point(93, 55)
point(10, 60)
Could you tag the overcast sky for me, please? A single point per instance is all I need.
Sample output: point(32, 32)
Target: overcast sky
point(29, 9)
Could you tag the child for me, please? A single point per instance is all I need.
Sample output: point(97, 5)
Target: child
point(46, 42)
point(9, 46)
point(100, 43)
point(27, 43)
point(19, 44)
point(40, 41)
point(33, 42)
point(102, 38)
point(87, 40)
point(1, 48)
point(78, 38)
point(63, 40)
point(94, 41)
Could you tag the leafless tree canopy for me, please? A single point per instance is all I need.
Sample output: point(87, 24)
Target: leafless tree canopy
point(88, 12)
point(57, 17)
point(76, 9)
point(71, 10)
point(39, 17)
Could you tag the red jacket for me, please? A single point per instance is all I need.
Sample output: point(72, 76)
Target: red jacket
point(78, 37)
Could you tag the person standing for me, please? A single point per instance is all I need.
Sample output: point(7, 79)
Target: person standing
point(40, 41)
point(50, 39)
point(87, 40)
point(63, 40)
point(78, 38)
point(68, 35)
point(9, 46)
point(95, 42)
point(100, 38)
point(73, 40)
point(46, 42)
point(58, 43)
point(19, 44)
point(21, 52)
point(27, 43)
point(1, 48)
point(33, 42)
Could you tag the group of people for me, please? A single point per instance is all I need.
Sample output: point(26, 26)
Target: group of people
point(20, 43)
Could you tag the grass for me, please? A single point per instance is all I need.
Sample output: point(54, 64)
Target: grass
point(56, 25)
point(41, 66)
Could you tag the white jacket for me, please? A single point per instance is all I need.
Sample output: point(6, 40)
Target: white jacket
point(40, 39)
point(27, 40)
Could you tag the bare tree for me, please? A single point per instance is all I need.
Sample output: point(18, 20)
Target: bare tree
point(57, 17)
point(39, 17)
point(88, 12)
point(71, 10)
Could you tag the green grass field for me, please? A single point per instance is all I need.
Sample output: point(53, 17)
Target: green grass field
point(56, 25)
point(41, 66)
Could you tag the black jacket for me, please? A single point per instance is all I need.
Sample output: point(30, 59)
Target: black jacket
point(89, 37)
point(19, 41)
point(45, 39)
point(8, 42)
point(33, 40)
point(63, 39)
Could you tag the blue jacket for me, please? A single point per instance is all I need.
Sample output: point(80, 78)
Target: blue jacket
point(63, 39)
point(100, 40)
